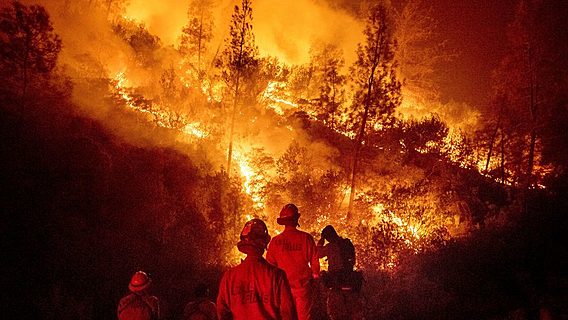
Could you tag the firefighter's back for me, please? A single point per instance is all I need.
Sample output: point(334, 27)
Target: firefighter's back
point(251, 290)
point(292, 251)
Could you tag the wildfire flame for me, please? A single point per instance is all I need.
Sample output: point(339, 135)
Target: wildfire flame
point(278, 97)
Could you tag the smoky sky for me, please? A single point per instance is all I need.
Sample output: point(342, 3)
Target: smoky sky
point(474, 29)
point(477, 31)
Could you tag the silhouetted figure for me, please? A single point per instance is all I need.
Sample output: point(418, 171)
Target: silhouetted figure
point(202, 308)
point(343, 283)
point(255, 289)
point(139, 304)
point(295, 252)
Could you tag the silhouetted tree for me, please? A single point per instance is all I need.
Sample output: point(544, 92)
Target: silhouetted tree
point(425, 135)
point(29, 46)
point(239, 60)
point(530, 89)
point(327, 60)
point(419, 51)
point(196, 35)
point(376, 88)
point(302, 81)
point(140, 39)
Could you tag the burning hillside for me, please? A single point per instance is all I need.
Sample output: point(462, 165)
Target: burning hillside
point(227, 110)
point(323, 133)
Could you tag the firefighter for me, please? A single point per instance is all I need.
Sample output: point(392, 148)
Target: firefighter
point(343, 283)
point(202, 308)
point(295, 252)
point(139, 304)
point(255, 289)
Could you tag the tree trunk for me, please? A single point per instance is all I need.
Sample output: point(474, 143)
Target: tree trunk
point(333, 106)
point(533, 112)
point(238, 71)
point(361, 134)
point(25, 71)
point(502, 170)
point(199, 45)
point(492, 140)
point(490, 151)
point(231, 132)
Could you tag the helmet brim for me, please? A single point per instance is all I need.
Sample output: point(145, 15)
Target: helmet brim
point(285, 221)
point(135, 288)
point(248, 247)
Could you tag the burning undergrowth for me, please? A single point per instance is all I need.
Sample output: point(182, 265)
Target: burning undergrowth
point(162, 151)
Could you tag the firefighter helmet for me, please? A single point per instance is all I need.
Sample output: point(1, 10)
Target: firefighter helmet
point(254, 234)
point(140, 281)
point(289, 215)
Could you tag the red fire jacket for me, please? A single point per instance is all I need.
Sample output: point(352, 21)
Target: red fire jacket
point(253, 290)
point(295, 252)
point(138, 306)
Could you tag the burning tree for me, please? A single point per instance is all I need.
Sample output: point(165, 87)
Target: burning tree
point(195, 37)
point(376, 88)
point(238, 62)
point(143, 43)
point(328, 61)
point(419, 52)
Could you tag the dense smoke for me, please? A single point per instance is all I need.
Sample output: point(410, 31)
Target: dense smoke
point(92, 51)
point(283, 29)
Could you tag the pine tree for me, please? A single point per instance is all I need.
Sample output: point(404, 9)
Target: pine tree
point(238, 62)
point(328, 61)
point(419, 52)
point(376, 88)
point(196, 35)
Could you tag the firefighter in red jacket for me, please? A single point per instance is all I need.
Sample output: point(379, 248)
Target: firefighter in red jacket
point(295, 252)
point(255, 289)
point(139, 304)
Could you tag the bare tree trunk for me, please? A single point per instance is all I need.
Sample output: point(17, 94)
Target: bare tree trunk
point(310, 76)
point(502, 170)
point(199, 45)
point(490, 151)
point(361, 134)
point(231, 132)
point(530, 164)
point(492, 140)
point(236, 98)
point(533, 112)
point(25, 71)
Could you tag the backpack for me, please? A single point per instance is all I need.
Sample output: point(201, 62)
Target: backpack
point(346, 278)
point(347, 252)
